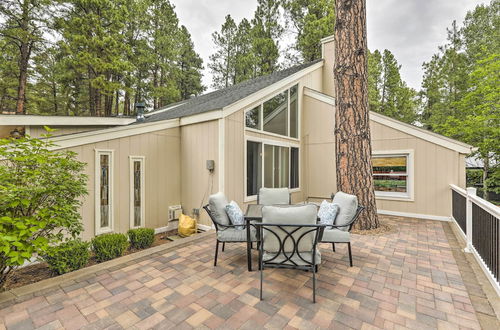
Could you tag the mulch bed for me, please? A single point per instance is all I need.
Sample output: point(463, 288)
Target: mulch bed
point(41, 271)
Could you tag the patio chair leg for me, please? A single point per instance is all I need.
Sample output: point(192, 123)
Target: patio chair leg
point(223, 246)
point(350, 253)
point(314, 283)
point(333, 247)
point(261, 279)
point(216, 252)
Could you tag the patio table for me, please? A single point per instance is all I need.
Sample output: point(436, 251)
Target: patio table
point(254, 213)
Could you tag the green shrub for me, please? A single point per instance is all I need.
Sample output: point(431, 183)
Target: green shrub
point(141, 238)
point(68, 256)
point(40, 197)
point(109, 246)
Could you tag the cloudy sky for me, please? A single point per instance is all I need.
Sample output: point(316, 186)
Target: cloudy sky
point(411, 29)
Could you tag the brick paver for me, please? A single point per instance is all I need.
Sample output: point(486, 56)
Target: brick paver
point(408, 278)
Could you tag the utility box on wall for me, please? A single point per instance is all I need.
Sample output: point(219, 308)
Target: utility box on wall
point(174, 212)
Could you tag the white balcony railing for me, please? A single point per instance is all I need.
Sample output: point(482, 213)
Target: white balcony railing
point(479, 223)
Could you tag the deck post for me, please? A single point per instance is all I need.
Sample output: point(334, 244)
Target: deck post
point(470, 191)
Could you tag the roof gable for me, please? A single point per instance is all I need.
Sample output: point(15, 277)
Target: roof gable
point(421, 133)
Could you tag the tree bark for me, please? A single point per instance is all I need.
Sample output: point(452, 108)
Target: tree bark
point(126, 103)
point(23, 77)
point(117, 102)
point(352, 129)
point(486, 168)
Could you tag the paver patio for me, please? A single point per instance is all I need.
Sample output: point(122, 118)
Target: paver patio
point(409, 278)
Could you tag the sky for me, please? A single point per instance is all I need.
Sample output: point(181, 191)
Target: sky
point(411, 29)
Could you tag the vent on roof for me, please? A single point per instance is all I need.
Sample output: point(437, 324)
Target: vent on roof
point(140, 111)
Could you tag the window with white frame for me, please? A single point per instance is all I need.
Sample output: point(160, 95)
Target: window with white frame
point(137, 191)
point(103, 191)
point(392, 175)
point(278, 115)
point(271, 166)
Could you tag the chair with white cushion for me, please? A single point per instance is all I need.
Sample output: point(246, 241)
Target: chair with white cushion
point(274, 196)
point(339, 232)
point(289, 239)
point(226, 232)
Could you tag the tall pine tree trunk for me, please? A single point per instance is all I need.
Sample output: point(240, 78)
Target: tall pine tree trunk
point(126, 103)
point(352, 130)
point(23, 77)
point(486, 168)
point(117, 102)
point(155, 87)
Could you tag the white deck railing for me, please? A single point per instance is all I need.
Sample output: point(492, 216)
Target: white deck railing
point(478, 222)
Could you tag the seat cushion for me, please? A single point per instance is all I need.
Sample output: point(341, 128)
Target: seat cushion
point(236, 235)
point(235, 215)
point(274, 196)
point(336, 236)
point(300, 214)
point(327, 213)
point(348, 205)
point(218, 204)
point(295, 260)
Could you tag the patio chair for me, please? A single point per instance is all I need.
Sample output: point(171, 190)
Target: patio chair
point(225, 231)
point(289, 239)
point(274, 196)
point(349, 211)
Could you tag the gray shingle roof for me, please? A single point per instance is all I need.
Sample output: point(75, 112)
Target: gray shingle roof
point(224, 97)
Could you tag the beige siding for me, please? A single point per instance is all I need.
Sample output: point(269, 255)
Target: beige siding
point(327, 76)
point(161, 150)
point(37, 131)
point(318, 125)
point(5, 131)
point(199, 143)
point(435, 168)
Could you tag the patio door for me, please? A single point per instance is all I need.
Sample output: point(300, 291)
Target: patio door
point(276, 166)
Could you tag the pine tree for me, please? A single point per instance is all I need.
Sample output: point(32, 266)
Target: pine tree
point(22, 23)
point(374, 80)
point(445, 81)
point(460, 87)
point(222, 62)
point(244, 57)
point(311, 20)
point(8, 74)
point(266, 31)
point(93, 42)
point(190, 66)
point(352, 124)
point(164, 36)
point(46, 96)
point(388, 93)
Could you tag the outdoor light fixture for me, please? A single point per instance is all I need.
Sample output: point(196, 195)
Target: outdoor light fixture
point(140, 111)
point(16, 134)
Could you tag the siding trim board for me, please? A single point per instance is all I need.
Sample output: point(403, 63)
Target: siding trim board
point(79, 139)
point(35, 120)
point(319, 96)
point(414, 215)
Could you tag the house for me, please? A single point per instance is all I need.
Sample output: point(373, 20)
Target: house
point(272, 131)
